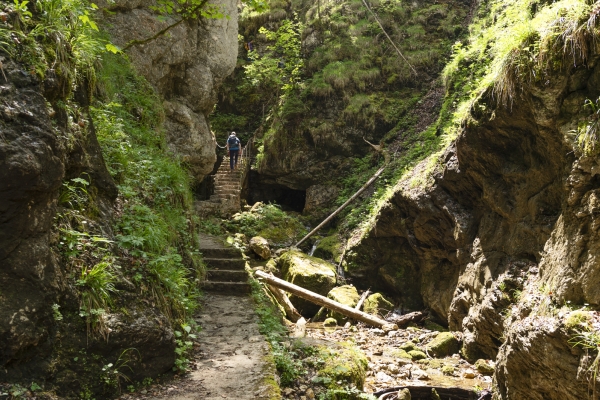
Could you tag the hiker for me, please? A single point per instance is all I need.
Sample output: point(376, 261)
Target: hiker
point(233, 147)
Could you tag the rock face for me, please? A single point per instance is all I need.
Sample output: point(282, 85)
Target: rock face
point(186, 66)
point(36, 157)
point(535, 357)
point(510, 199)
point(32, 167)
point(309, 273)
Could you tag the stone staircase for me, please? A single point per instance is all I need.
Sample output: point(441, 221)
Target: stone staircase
point(226, 271)
point(226, 199)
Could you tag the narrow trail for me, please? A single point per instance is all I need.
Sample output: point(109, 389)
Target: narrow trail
point(231, 358)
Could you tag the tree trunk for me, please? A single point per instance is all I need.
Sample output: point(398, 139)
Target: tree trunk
point(325, 302)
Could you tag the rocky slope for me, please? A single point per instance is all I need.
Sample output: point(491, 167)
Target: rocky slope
point(499, 236)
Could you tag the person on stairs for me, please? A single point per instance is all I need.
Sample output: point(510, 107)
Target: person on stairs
point(233, 147)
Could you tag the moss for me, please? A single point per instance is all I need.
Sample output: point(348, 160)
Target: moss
point(308, 272)
point(448, 370)
point(578, 320)
point(377, 304)
point(484, 368)
point(329, 248)
point(330, 322)
point(417, 355)
point(346, 295)
point(399, 353)
point(444, 344)
point(408, 346)
point(345, 364)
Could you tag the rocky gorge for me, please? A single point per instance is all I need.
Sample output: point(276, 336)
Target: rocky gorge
point(484, 114)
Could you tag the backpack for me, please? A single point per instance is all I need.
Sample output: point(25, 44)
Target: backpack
point(233, 142)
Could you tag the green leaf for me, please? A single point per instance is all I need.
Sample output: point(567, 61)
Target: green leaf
point(112, 48)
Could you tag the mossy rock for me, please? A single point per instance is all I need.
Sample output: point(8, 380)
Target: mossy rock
point(310, 273)
point(344, 363)
point(346, 295)
point(329, 248)
point(448, 370)
point(444, 344)
point(397, 353)
point(377, 304)
point(330, 322)
point(409, 346)
point(417, 355)
point(484, 367)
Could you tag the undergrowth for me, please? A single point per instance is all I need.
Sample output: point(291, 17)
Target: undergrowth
point(280, 228)
point(271, 326)
point(156, 226)
point(511, 47)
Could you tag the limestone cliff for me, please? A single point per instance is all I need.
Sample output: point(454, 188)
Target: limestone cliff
point(186, 65)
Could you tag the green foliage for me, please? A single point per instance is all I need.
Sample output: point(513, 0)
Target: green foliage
point(269, 221)
point(183, 340)
point(97, 287)
point(60, 37)
point(157, 225)
point(280, 66)
point(271, 327)
point(56, 314)
point(588, 131)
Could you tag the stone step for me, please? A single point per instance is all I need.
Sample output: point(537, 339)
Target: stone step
point(226, 275)
point(222, 252)
point(227, 191)
point(232, 288)
point(225, 263)
point(220, 197)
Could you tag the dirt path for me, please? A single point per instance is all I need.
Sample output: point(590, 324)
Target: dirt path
point(231, 359)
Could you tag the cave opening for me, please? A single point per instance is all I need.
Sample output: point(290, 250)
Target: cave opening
point(262, 190)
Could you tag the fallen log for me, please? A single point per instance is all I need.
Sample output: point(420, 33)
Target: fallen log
point(362, 299)
point(288, 307)
point(325, 302)
point(425, 392)
point(403, 320)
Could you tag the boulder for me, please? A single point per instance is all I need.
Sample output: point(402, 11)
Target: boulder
point(484, 367)
point(377, 304)
point(346, 295)
point(260, 246)
point(417, 355)
point(444, 344)
point(330, 322)
point(329, 248)
point(310, 273)
point(344, 365)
